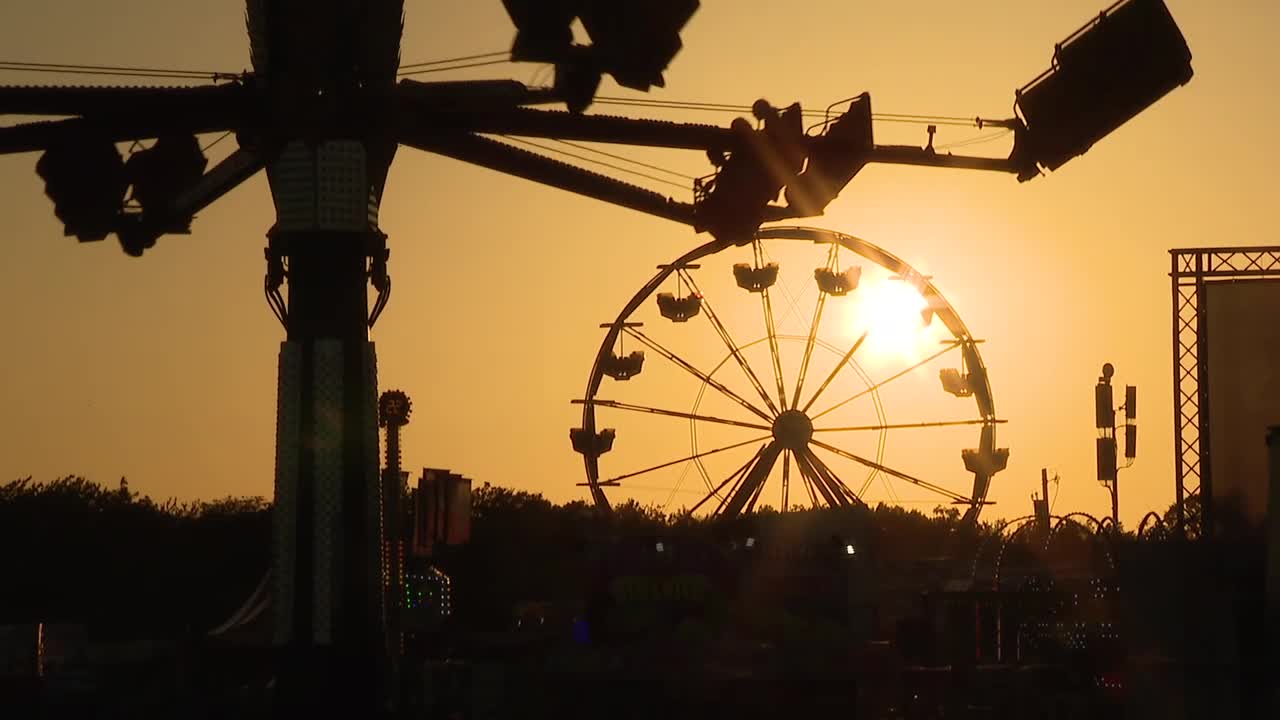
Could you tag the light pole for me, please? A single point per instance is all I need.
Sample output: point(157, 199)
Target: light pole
point(1105, 421)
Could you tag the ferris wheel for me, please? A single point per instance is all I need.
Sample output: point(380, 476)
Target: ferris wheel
point(806, 368)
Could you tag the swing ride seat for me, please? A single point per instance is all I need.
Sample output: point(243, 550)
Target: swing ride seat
point(734, 204)
point(835, 157)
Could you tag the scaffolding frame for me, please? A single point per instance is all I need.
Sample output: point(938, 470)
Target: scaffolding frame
point(1191, 270)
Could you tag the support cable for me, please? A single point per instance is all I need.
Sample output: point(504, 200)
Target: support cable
point(623, 158)
point(619, 168)
point(725, 107)
point(450, 61)
point(464, 66)
point(122, 70)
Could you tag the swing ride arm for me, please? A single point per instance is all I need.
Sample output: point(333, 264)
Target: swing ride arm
point(1090, 89)
point(522, 163)
point(927, 157)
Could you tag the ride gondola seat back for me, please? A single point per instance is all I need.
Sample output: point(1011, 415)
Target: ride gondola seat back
point(1104, 74)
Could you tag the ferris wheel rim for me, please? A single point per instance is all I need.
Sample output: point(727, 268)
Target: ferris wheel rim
point(942, 309)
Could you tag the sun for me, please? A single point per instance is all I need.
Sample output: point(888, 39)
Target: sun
point(892, 312)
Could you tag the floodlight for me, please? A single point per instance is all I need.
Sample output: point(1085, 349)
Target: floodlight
point(1103, 413)
point(1106, 460)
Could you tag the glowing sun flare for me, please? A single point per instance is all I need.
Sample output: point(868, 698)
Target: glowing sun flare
point(890, 312)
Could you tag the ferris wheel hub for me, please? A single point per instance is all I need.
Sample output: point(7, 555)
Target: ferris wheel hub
point(792, 429)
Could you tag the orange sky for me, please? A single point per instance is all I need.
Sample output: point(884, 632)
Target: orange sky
point(163, 369)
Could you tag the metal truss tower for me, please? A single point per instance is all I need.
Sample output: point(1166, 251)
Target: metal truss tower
point(1191, 269)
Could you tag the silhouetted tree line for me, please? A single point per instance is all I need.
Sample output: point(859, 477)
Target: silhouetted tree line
point(526, 549)
point(74, 551)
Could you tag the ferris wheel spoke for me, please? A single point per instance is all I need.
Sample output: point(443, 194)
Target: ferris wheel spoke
point(786, 478)
point(814, 480)
point(808, 347)
point(817, 485)
point(751, 505)
point(688, 367)
point(808, 485)
point(771, 329)
point(695, 456)
point(732, 477)
point(671, 413)
point(753, 479)
point(806, 481)
point(845, 495)
point(836, 371)
point(725, 337)
point(907, 426)
point(891, 472)
point(841, 495)
point(950, 346)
